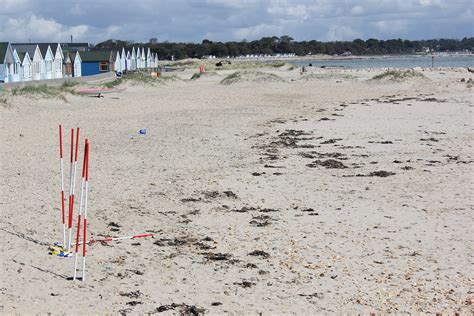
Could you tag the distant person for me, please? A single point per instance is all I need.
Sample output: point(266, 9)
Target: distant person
point(310, 65)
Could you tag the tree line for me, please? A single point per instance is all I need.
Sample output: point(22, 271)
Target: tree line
point(286, 45)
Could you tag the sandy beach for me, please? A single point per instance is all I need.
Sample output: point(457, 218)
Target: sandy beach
point(268, 191)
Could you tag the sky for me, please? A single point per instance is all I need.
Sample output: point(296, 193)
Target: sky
point(233, 20)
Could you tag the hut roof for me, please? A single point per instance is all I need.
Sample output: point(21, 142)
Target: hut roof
point(93, 56)
point(21, 48)
point(3, 50)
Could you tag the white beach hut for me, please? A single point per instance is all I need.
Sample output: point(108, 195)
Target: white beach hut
point(48, 59)
point(128, 61)
point(139, 58)
point(117, 63)
point(133, 62)
point(15, 68)
point(38, 64)
point(6, 59)
point(156, 59)
point(25, 69)
point(123, 59)
point(76, 64)
point(36, 58)
point(149, 58)
point(143, 58)
point(58, 61)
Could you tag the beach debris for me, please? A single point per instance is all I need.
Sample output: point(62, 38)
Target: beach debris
point(315, 154)
point(381, 173)
point(133, 294)
point(329, 163)
point(245, 284)
point(259, 253)
point(217, 256)
point(260, 221)
point(244, 209)
point(142, 131)
point(331, 141)
point(313, 295)
point(431, 139)
point(184, 309)
point(216, 303)
point(310, 211)
point(165, 242)
point(133, 303)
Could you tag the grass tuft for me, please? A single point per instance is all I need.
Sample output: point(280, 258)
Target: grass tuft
point(251, 76)
point(398, 75)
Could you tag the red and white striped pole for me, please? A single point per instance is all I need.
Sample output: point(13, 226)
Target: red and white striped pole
point(71, 168)
point(80, 208)
point(62, 182)
point(84, 245)
point(109, 239)
point(73, 187)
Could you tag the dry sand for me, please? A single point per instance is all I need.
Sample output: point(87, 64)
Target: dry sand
point(323, 192)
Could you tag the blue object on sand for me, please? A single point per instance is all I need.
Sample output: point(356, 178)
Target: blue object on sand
point(142, 131)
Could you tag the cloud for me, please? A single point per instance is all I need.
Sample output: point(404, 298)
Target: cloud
point(227, 20)
point(38, 28)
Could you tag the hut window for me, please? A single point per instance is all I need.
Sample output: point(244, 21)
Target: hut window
point(103, 66)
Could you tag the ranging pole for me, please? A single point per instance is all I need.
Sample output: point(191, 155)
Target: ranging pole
point(84, 245)
point(80, 208)
point(109, 239)
point(62, 182)
point(71, 206)
point(70, 187)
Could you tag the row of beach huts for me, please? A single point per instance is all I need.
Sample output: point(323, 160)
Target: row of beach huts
point(42, 61)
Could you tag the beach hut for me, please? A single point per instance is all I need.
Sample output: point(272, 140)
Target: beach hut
point(149, 58)
point(48, 60)
point(117, 63)
point(37, 62)
point(67, 65)
point(15, 68)
point(6, 61)
point(58, 60)
point(156, 59)
point(139, 58)
point(25, 69)
point(133, 60)
point(143, 58)
point(123, 60)
point(76, 64)
point(95, 62)
point(128, 61)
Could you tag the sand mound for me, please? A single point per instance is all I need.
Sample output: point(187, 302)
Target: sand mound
point(140, 79)
point(251, 76)
point(325, 76)
point(398, 76)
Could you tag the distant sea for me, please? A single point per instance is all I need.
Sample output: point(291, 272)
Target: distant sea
point(409, 61)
